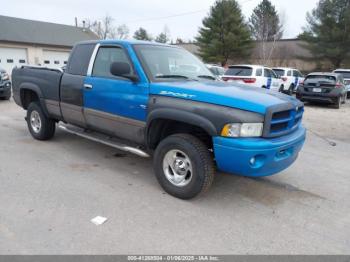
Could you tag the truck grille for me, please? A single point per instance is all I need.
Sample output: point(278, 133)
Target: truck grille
point(280, 123)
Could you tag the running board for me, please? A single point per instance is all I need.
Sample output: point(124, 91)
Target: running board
point(103, 139)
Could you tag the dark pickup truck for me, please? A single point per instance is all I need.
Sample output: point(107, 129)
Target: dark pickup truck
point(158, 100)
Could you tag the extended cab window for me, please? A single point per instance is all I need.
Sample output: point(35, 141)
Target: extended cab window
point(79, 59)
point(105, 57)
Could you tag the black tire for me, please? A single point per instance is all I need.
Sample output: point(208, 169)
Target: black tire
point(338, 103)
point(47, 125)
point(201, 160)
point(291, 90)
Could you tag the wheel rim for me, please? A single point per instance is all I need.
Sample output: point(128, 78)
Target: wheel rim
point(35, 121)
point(177, 168)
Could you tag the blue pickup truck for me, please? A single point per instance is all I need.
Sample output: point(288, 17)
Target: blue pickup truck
point(161, 101)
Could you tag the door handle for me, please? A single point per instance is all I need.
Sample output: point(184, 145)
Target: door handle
point(88, 86)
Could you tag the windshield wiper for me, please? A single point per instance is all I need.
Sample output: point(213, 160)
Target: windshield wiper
point(172, 76)
point(207, 77)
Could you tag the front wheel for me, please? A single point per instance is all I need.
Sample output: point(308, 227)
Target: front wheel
point(183, 166)
point(40, 126)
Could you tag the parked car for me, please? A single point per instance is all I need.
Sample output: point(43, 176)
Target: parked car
point(323, 87)
point(124, 94)
point(216, 70)
point(291, 78)
point(5, 85)
point(254, 75)
point(346, 74)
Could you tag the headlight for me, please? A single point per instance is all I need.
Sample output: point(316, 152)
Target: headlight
point(243, 130)
point(5, 76)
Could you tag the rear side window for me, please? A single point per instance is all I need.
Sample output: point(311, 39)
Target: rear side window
point(105, 57)
point(279, 72)
point(239, 71)
point(79, 59)
point(259, 72)
point(289, 73)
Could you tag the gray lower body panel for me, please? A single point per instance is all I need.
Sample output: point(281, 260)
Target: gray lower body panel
point(126, 128)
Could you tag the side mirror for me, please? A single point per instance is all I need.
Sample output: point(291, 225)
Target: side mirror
point(122, 70)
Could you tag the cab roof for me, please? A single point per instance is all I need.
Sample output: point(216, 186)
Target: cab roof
point(124, 42)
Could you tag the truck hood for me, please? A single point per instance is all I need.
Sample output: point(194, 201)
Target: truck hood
point(225, 94)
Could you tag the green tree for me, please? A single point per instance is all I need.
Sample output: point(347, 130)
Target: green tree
point(265, 23)
point(142, 34)
point(163, 37)
point(328, 31)
point(224, 34)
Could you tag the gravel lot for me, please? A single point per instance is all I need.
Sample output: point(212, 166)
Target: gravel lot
point(49, 191)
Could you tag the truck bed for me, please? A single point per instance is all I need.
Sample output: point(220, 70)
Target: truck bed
point(43, 79)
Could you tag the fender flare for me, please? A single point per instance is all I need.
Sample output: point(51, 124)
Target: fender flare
point(180, 116)
point(36, 89)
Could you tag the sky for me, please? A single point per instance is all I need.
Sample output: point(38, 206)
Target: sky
point(181, 17)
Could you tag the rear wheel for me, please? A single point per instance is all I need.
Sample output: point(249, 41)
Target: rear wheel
point(183, 166)
point(338, 102)
point(40, 126)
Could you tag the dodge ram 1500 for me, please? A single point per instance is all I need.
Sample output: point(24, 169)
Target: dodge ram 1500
point(161, 101)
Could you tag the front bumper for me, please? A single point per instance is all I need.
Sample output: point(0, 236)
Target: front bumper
point(258, 157)
point(5, 88)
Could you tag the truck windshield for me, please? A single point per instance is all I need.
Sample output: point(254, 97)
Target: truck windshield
point(170, 63)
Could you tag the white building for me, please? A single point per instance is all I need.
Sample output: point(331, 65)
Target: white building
point(25, 41)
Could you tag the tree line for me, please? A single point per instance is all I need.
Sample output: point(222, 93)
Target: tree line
point(225, 34)
point(106, 29)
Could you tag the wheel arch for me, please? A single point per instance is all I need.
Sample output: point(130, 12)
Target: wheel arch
point(29, 93)
point(161, 123)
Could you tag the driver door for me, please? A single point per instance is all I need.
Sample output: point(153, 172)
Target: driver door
point(114, 105)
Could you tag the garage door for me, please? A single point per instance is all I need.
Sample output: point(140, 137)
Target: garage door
point(11, 57)
point(55, 59)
